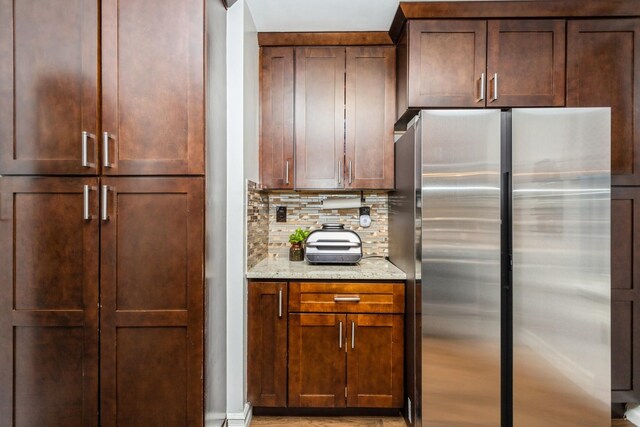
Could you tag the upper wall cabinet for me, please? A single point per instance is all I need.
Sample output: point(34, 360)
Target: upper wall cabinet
point(48, 87)
point(473, 64)
point(603, 69)
point(153, 87)
point(342, 121)
point(276, 109)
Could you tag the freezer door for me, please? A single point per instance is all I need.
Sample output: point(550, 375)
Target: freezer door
point(460, 268)
point(561, 267)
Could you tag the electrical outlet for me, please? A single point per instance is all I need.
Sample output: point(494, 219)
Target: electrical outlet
point(281, 214)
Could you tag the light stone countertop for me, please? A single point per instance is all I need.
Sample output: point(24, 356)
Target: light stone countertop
point(366, 269)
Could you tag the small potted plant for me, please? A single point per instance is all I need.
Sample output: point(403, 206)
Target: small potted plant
point(296, 252)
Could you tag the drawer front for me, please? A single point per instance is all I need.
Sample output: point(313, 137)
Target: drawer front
point(341, 297)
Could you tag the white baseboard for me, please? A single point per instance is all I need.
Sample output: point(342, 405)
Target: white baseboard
point(240, 419)
point(214, 419)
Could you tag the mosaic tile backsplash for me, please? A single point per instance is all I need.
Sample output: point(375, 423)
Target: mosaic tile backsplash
point(257, 224)
point(305, 210)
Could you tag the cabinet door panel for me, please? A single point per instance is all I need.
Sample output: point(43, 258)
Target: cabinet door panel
point(375, 363)
point(48, 302)
point(267, 343)
point(625, 274)
point(528, 57)
point(603, 70)
point(317, 360)
point(153, 86)
point(276, 124)
point(152, 302)
point(370, 117)
point(446, 61)
point(48, 85)
point(319, 117)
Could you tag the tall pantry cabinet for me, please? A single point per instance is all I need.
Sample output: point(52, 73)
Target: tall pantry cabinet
point(101, 212)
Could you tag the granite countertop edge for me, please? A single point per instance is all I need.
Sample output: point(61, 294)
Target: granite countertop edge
point(367, 269)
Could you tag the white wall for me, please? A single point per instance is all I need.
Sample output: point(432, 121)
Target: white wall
point(242, 164)
point(216, 216)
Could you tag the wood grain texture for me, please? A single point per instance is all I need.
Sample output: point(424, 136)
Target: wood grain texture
point(276, 117)
point(528, 57)
point(319, 297)
point(603, 70)
point(267, 344)
point(319, 118)
point(153, 86)
point(352, 38)
point(48, 85)
point(370, 104)
point(446, 61)
point(625, 296)
point(317, 360)
point(152, 318)
point(49, 303)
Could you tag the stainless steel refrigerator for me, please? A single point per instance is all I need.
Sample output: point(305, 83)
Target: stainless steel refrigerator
point(501, 220)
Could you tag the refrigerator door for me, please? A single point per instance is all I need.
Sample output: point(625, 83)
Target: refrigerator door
point(461, 291)
point(561, 267)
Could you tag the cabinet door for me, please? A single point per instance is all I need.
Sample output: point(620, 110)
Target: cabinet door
point(153, 87)
point(447, 60)
point(319, 117)
point(625, 305)
point(375, 362)
point(267, 343)
point(370, 107)
point(152, 286)
point(317, 360)
point(603, 70)
point(48, 86)
point(48, 302)
point(526, 63)
point(276, 124)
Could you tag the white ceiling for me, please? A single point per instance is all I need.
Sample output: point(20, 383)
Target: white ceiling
point(323, 15)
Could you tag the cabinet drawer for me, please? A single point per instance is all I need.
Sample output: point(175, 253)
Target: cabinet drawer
point(340, 297)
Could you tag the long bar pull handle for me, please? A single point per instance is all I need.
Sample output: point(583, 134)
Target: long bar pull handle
point(353, 334)
point(340, 171)
point(105, 149)
point(350, 171)
point(105, 198)
point(482, 88)
point(286, 174)
point(340, 338)
point(346, 299)
point(279, 302)
point(86, 215)
point(85, 149)
point(495, 87)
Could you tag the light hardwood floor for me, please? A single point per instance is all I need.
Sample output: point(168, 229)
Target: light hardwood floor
point(353, 422)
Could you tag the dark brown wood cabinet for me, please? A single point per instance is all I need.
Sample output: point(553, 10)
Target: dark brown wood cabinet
point(276, 121)
point(153, 87)
point(49, 255)
point(625, 301)
point(319, 117)
point(48, 87)
point(475, 63)
point(267, 344)
point(152, 315)
point(603, 70)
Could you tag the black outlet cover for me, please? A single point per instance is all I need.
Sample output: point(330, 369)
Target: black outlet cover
point(365, 210)
point(281, 214)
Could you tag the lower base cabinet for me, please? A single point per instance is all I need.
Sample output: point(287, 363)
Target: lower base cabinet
point(345, 345)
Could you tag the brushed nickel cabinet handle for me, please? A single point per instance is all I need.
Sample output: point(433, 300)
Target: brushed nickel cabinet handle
point(350, 171)
point(105, 198)
point(340, 337)
point(85, 149)
point(495, 87)
point(340, 171)
point(353, 335)
point(279, 302)
point(346, 299)
point(482, 88)
point(105, 149)
point(86, 214)
point(286, 173)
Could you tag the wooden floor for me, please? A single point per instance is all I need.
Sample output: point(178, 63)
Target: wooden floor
point(353, 422)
